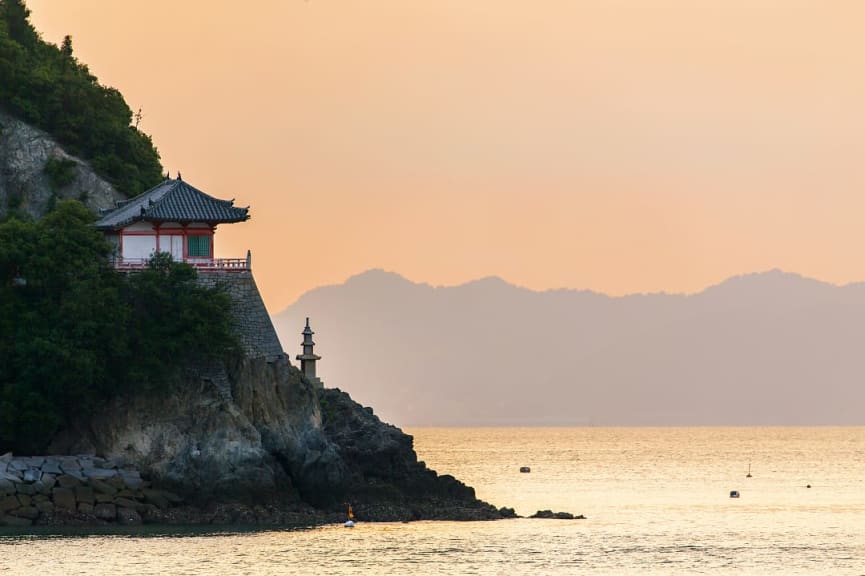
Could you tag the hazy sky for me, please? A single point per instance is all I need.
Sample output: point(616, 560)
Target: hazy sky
point(617, 146)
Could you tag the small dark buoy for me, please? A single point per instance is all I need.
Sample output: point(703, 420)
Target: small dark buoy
point(748, 475)
point(525, 469)
point(807, 485)
point(734, 493)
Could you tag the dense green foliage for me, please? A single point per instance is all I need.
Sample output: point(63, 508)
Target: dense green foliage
point(60, 171)
point(74, 333)
point(47, 87)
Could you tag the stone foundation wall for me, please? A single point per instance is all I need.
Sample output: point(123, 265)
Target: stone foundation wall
point(75, 490)
point(251, 320)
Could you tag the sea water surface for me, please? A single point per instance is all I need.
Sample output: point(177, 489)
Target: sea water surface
point(656, 501)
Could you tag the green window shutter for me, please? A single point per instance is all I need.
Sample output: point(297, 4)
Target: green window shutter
point(198, 246)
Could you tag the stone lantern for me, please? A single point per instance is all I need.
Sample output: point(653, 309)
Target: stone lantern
point(308, 358)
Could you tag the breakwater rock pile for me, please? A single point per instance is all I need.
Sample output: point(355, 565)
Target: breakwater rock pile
point(76, 490)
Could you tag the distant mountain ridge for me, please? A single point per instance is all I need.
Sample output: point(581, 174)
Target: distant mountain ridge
point(770, 348)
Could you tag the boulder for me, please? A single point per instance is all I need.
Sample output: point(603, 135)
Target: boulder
point(84, 494)
point(127, 503)
point(112, 462)
point(9, 503)
point(128, 516)
point(98, 473)
point(156, 498)
point(30, 512)
point(16, 521)
point(116, 482)
point(64, 498)
point(51, 466)
point(46, 507)
point(11, 476)
point(48, 481)
point(6, 487)
point(67, 481)
point(105, 511)
point(85, 508)
point(29, 489)
point(132, 481)
point(71, 466)
point(101, 487)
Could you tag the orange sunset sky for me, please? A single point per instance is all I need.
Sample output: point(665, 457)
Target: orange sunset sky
point(623, 147)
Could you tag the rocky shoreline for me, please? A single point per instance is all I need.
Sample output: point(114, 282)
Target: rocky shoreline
point(55, 489)
point(87, 490)
point(359, 460)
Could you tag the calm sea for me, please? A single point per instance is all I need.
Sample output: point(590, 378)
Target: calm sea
point(656, 500)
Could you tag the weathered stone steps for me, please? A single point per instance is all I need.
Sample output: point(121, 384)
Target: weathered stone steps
point(75, 489)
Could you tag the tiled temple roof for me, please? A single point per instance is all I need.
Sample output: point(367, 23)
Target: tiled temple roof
point(173, 201)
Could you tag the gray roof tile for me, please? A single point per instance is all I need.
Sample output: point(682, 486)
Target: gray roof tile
point(173, 201)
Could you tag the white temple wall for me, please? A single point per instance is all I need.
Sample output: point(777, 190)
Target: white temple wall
point(139, 246)
point(173, 244)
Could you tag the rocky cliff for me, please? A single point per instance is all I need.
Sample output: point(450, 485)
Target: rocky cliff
point(25, 184)
point(253, 434)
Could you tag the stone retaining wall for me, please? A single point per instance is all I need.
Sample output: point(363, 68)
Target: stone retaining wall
point(75, 490)
point(251, 320)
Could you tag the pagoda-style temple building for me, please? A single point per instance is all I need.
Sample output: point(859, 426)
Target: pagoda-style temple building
point(171, 217)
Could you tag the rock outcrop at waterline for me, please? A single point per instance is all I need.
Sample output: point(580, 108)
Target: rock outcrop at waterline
point(382, 473)
point(550, 515)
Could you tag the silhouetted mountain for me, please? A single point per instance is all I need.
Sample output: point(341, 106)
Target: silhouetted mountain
point(767, 348)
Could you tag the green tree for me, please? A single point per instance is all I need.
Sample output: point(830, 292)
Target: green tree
point(62, 306)
point(175, 317)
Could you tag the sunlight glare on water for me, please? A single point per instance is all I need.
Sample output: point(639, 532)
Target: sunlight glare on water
point(656, 500)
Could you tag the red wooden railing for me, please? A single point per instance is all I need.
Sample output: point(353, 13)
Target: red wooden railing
point(227, 264)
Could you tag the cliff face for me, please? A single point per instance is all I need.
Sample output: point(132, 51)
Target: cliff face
point(25, 186)
point(252, 430)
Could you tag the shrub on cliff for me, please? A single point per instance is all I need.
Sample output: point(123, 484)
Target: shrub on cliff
point(48, 87)
point(74, 333)
point(173, 317)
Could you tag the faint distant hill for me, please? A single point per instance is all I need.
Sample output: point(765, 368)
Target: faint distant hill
point(760, 349)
